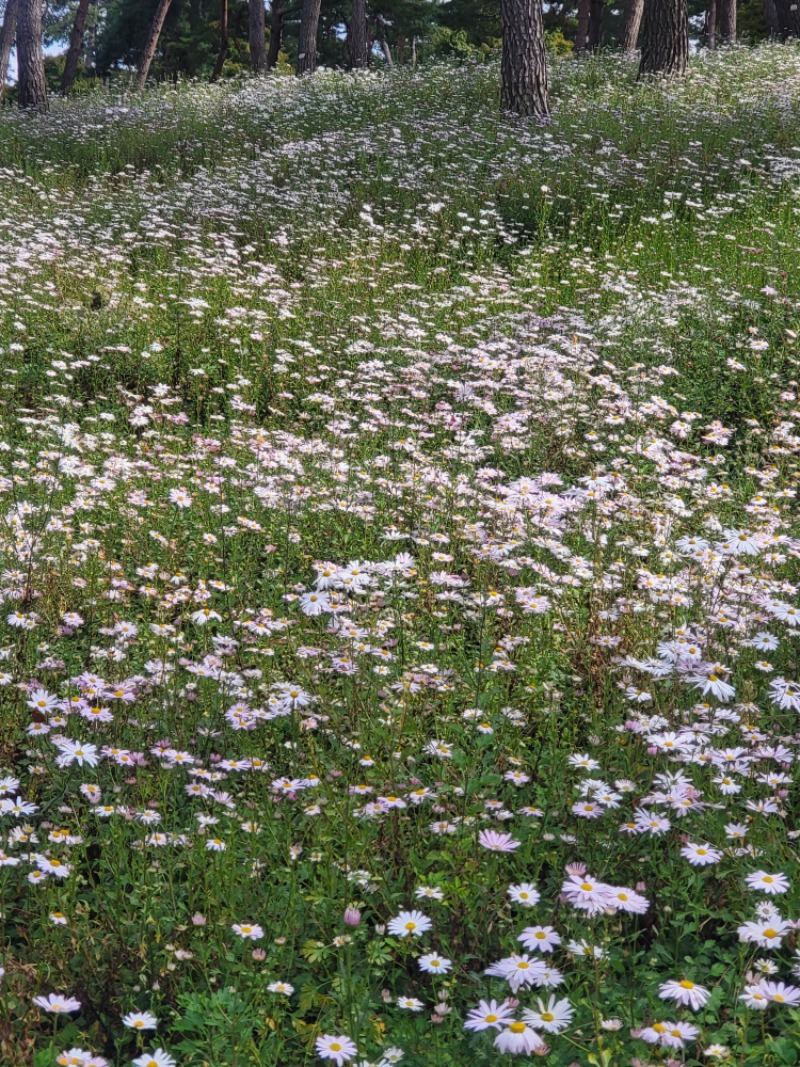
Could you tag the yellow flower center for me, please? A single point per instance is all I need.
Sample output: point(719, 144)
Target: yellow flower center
point(547, 1016)
point(770, 933)
point(411, 926)
point(517, 1028)
point(490, 1018)
point(587, 887)
point(685, 984)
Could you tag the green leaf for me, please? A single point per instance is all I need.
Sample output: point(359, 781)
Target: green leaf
point(785, 1050)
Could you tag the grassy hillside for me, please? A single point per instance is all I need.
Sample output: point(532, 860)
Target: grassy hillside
point(399, 575)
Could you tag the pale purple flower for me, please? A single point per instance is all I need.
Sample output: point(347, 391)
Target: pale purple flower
point(495, 841)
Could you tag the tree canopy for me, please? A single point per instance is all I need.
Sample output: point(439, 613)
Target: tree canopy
point(402, 30)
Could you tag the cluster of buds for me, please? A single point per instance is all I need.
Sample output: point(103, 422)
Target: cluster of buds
point(441, 1009)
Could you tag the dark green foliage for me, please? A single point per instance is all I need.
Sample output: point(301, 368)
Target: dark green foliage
point(413, 29)
point(188, 43)
point(751, 23)
point(478, 20)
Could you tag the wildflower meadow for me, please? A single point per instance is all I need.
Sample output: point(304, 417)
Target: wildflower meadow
point(399, 571)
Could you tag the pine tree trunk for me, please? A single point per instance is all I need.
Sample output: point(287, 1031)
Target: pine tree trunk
point(523, 67)
point(595, 24)
point(358, 34)
point(632, 20)
point(75, 46)
point(380, 27)
point(90, 40)
point(8, 35)
point(665, 38)
point(222, 54)
point(156, 26)
point(258, 39)
point(770, 17)
point(710, 26)
point(788, 17)
point(31, 84)
point(307, 44)
point(582, 33)
point(726, 21)
point(275, 33)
